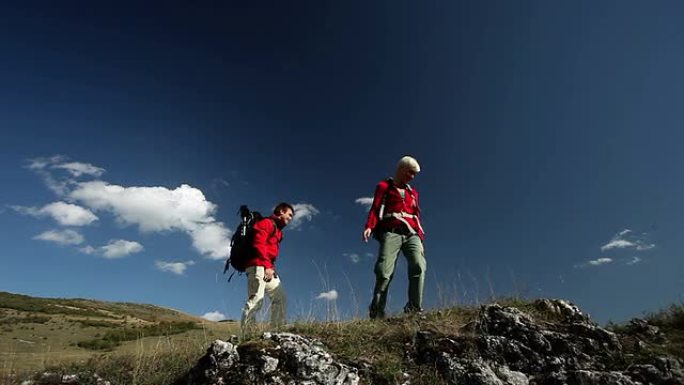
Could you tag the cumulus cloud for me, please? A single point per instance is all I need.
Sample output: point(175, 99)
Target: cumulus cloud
point(366, 202)
point(159, 209)
point(62, 237)
point(328, 295)
point(214, 316)
point(120, 248)
point(627, 239)
point(150, 209)
point(177, 268)
point(303, 212)
point(65, 214)
point(211, 239)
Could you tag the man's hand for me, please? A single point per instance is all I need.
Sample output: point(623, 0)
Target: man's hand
point(366, 234)
point(269, 274)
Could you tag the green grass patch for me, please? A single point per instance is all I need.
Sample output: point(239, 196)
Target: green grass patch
point(114, 338)
point(97, 324)
point(671, 323)
point(31, 319)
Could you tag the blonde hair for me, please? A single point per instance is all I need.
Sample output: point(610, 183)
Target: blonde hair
point(408, 162)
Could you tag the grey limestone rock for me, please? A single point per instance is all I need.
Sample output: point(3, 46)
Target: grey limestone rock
point(278, 358)
point(509, 347)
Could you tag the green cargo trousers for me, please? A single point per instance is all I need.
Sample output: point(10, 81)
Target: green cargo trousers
point(390, 245)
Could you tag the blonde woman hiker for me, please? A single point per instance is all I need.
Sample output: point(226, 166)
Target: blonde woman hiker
point(394, 220)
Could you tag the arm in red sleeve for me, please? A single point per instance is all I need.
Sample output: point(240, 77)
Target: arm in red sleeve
point(264, 253)
point(374, 212)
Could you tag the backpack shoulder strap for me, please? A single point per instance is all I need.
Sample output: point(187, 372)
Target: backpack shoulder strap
point(390, 184)
point(275, 226)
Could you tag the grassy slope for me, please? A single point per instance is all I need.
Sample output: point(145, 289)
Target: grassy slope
point(39, 332)
point(382, 344)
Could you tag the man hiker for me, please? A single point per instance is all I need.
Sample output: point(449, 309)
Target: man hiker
point(394, 220)
point(261, 275)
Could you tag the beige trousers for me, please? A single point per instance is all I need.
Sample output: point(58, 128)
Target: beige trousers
point(257, 287)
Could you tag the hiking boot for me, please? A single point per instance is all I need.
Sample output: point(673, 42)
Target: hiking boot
point(376, 314)
point(410, 309)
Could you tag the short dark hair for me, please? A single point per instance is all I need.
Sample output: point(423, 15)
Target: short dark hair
point(283, 206)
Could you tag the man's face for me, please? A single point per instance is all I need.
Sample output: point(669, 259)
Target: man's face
point(285, 216)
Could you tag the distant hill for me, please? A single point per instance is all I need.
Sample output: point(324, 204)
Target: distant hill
point(79, 308)
point(40, 331)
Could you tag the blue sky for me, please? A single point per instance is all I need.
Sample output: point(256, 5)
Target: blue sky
point(548, 133)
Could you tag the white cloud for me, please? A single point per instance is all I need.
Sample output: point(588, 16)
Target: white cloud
point(151, 209)
point(617, 244)
point(61, 185)
point(177, 268)
point(40, 166)
point(634, 261)
point(212, 239)
point(627, 239)
point(42, 163)
point(88, 250)
point(65, 214)
point(77, 169)
point(353, 257)
point(303, 212)
point(624, 232)
point(600, 261)
point(69, 214)
point(643, 247)
point(158, 209)
point(120, 248)
point(214, 316)
point(328, 295)
point(62, 237)
point(366, 202)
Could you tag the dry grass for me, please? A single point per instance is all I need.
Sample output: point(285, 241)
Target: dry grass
point(382, 349)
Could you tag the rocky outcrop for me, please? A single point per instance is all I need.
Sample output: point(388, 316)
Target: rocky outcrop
point(276, 359)
point(506, 346)
point(503, 346)
point(550, 343)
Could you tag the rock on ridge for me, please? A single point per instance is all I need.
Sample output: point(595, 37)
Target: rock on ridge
point(509, 347)
point(277, 359)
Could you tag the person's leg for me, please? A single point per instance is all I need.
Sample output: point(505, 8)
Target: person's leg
point(417, 265)
point(274, 290)
point(255, 294)
point(390, 244)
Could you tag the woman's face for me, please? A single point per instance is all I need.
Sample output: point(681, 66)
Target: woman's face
point(406, 174)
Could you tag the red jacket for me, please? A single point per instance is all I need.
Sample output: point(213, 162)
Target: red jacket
point(267, 237)
point(395, 204)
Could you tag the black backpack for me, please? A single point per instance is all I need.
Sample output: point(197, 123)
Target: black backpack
point(241, 244)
